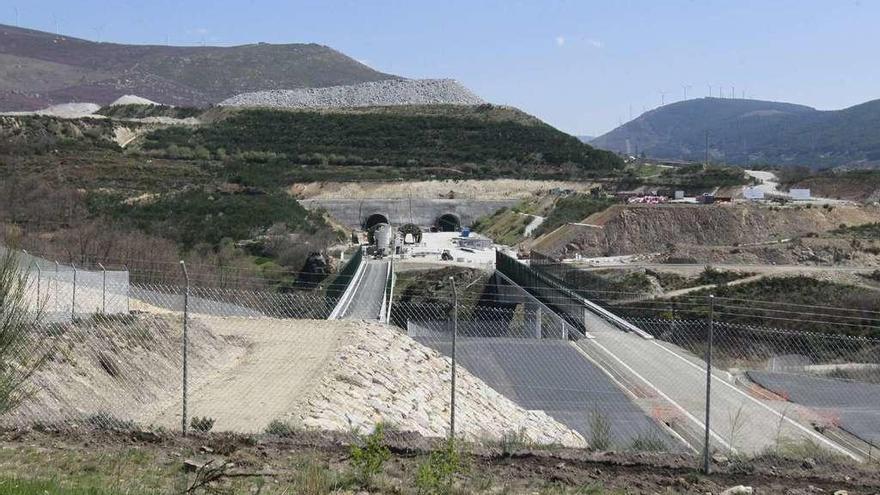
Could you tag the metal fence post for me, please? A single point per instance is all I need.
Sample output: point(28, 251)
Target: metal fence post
point(709, 381)
point(57, 307)
point(185, 314)
point(127, 290)
point(103, 288)
point(454, 345)
point(39, 277)
point(73, 295)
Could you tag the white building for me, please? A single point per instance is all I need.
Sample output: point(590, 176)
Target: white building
point(799, 194)
point(753, 193)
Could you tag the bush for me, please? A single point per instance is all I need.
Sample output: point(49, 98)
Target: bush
point(436, 475)
point(512, 441)
point(600, 431)
point(203, 424)
point(16, 319)
point(280, 428)
point(369, 454)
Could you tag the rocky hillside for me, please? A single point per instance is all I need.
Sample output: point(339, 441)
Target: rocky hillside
point(378, 93)
point(38, 69)
point(753, 132)
point(630, 229)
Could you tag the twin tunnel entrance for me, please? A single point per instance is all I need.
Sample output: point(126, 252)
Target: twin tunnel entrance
point(447, 222)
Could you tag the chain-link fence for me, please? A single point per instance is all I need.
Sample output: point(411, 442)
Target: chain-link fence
point(517, 363)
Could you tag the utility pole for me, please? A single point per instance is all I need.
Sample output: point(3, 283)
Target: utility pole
point(707, 147)
point(454, 338)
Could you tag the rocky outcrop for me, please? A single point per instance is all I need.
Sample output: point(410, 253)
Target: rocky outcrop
point(377, 93)
point(629, 229)
point(385, 376)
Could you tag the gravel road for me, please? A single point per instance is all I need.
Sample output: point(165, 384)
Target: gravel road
point(284, 359)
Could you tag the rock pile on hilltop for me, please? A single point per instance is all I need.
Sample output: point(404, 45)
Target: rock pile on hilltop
point(377, 93)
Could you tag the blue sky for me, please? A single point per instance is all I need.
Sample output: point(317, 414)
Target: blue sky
point(581, 66)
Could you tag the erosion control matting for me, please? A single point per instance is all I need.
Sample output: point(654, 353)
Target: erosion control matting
point(552, 376)
point(854, 406)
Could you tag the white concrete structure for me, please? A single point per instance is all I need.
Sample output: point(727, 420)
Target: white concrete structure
point(753, 193)
point(799, 194)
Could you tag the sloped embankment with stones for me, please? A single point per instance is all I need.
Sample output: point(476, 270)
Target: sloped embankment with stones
point(375, 93)
point(383, 375)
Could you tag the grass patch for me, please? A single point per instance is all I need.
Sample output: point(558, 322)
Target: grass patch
point(573, 208)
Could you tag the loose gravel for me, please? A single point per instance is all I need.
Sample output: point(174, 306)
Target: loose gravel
point(377, 93)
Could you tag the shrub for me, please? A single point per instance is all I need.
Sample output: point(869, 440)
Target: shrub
point(280, 428)
point(368, 455)
point(203, 424)
point(512, 441)
point(600, 431)
point(647, 442)
point(16, 318)
point(436, 475)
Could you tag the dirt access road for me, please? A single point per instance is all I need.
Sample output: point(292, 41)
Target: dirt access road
point(284, 359)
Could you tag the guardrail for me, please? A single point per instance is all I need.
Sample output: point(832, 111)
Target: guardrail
point(566, 302)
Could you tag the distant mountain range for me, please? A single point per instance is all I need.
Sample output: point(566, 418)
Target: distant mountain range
point(748, 132)
point(38, 69)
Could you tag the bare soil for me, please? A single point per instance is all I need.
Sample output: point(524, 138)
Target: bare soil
point(154, 463)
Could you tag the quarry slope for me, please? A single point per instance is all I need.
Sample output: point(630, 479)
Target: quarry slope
point(632, 229)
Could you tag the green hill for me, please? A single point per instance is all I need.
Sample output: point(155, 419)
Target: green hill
point(753, 132)
point(383, 143)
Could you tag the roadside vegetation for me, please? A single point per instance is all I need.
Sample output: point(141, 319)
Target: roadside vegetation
point(798, 293)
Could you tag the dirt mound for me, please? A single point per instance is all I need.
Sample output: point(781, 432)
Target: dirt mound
point(646, 229)
point(132, 100)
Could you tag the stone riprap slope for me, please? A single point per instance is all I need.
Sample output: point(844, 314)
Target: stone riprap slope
point(376, 93)
point(385, 376)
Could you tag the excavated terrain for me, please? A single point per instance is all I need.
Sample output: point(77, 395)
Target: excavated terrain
point(631, 229)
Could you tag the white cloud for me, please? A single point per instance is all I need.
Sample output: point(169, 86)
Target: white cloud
point(198, 31)
point(560, 40)
point(595, 43)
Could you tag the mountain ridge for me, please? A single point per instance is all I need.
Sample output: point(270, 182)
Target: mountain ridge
point(750, 132)
point(40, 69)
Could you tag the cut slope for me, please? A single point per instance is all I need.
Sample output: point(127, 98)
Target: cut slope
point(647, 229)
point(48, 68)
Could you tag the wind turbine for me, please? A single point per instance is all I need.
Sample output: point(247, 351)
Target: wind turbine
point(685, 88)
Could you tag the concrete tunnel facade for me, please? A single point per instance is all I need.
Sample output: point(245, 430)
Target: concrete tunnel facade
point(445, 214)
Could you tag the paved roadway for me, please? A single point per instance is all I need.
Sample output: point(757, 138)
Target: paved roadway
point(855, 405)
point(366, 302)
point(739, 419)
point(553, 376)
